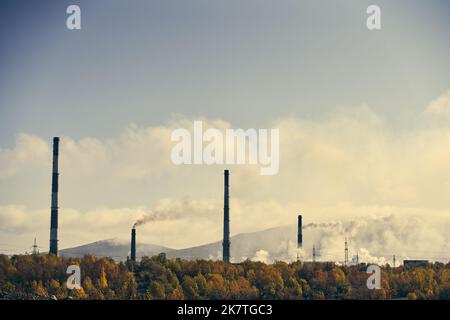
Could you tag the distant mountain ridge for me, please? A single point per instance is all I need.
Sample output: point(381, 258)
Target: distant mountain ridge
point(113, 248)
point(244, 245)
point(371, 240)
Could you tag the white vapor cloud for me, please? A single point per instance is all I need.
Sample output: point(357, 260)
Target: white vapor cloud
point(440, 107)
point(346, 165)
point(261, 256)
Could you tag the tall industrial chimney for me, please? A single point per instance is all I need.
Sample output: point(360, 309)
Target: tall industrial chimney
point(54, 205)
point(299, 236)
point(133, 245)
point(226, 221)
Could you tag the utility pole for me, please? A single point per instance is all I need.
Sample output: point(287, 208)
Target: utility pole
point(393, 258)
point(288, 258)
point(35, 246)
point(346, 252)
point(314, 253)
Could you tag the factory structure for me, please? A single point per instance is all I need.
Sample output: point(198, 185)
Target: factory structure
point(226, 243)
point(133, 244)
point(54, 200)
point(299, 237)
point(226, 218)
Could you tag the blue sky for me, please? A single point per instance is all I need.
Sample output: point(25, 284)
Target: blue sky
point(248, 62)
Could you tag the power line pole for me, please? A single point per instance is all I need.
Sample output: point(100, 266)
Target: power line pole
point(287, 251)
point(314, 253)
point(346, 252)
point(394, 260)
point(35, 246)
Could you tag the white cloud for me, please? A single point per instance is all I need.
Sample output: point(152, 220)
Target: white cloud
point(30, 153)
point(440, 107)
point(348, 164)
point(261, 256)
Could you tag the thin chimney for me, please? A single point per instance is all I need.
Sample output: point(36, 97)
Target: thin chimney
point(299, 236)
point(54, 204)
point(133, 245)
point(226, 220)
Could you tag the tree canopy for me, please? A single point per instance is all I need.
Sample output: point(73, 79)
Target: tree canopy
point(44, 277)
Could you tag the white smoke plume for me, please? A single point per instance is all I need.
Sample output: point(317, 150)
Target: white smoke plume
point(173, 210)
point(378, 239)
point(261, 256)
point(157, 215)
point(321, 225)
point(373, 239)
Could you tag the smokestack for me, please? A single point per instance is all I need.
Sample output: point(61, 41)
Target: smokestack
point(54, 205)
point(226, 220)
point(133, 245)
point(299, 236)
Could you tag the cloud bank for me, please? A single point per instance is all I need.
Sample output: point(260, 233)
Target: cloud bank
point(349, 164)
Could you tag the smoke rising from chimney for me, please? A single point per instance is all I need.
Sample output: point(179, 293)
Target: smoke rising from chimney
point(169, 210)
point(157, 215)
point(374, 238)
point(313, 225)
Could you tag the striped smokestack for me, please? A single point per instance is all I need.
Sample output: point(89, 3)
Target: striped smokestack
point(133, 245)
point(226, 220)
point(54, 205)
point(299, 236)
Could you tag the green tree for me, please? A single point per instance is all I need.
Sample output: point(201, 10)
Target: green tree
point(190, 288)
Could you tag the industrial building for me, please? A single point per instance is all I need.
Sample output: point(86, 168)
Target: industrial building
point(415, 263)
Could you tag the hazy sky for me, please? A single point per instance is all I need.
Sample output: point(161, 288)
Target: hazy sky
point(364, 115)
point(244, 61)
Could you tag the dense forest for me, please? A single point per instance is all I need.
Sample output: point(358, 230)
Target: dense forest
point(44, 277)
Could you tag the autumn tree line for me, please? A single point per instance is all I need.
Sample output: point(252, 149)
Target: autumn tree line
point(44, 277)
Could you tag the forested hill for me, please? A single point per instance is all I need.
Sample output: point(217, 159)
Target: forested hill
point(44, 277)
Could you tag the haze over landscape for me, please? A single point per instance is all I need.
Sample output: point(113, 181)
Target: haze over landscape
point(364, 122)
